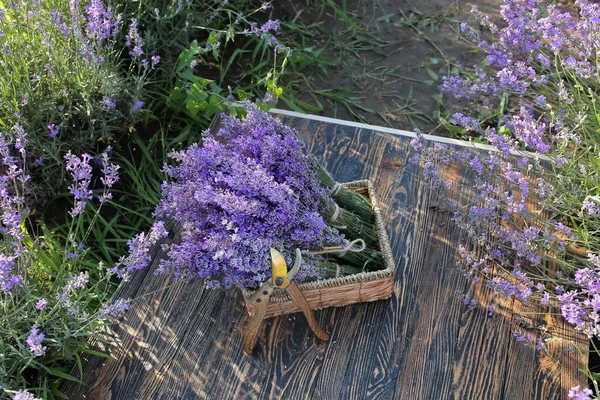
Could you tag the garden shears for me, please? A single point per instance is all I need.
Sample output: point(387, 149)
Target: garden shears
point(283, 279)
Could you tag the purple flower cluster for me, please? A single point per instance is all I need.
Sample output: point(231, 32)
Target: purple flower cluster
point(34, 341)
point(581, 306)
point(579, 393)
point(54, 130)
point(236, 197)
point(134, 40)
point(535, 198)
point(139, 251)
point(499, 219)
point(264, 32)
point(24, 395)
point(101, 23)
point(41, 304)
point(110, 176)
point(80, 169)
point(12, 204)
point(76, 282)
point(7, 278)
point(81, 173)
point(114, 309)
point(275, 146)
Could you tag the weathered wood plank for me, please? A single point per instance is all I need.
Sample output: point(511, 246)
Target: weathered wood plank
point(213, 324)
point(483, 337)
point(328, 384)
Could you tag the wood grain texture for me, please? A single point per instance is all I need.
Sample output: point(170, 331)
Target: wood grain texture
point(186, 343)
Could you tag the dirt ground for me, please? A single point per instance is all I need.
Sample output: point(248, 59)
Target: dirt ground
point(388, 73)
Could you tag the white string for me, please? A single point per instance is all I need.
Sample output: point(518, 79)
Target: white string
point(342, 250)
point(335, 189)
point(335, 216)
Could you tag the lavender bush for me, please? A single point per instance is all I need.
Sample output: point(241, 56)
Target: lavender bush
point(63, 81)
point(51, 298)
point(536, 195)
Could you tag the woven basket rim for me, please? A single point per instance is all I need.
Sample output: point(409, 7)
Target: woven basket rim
point(384, 246)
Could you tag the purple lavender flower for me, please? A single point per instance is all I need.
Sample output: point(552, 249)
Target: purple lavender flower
point(529, 130)
point(417, 142)
point(7, 277)
point(263, 33)
point(139, 249)
point(100, 21)
point(270, 25)
point(53, 130)
point(41, 304)
point(468, 301)
point(578, 393)
point(110, 172)
point(34, 340)
point(109, 102)
point(545, 299)
point(526, 338)
point(81, 173)
point(134, 40)
point(77, 282)
point(137, 105)
point(20, 139)
point(591, 207)
point(114, 309)
point(466, 122)
point(25, 395)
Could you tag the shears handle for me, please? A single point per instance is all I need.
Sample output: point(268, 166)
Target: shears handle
point(257, 305)
point(300, 300)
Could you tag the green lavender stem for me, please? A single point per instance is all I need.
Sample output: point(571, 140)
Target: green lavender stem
point(352, 226)
point(365, 261)
point(347, 198)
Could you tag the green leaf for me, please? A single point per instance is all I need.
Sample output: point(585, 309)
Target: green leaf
point(432, 74)
point(186, 56)
point(213, 38)
point(64, 375)
point(194, 107)
point(98, 353)
point(197, 92)
point(79, 365)
point(343, 15)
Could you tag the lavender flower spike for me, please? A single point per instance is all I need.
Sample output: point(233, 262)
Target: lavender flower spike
point(34, 340)
point(114, 309)
point(41, 304)
point(578, 393)
point(7, 278)
point(81, 172)
point(139, 249)
point(25, 395)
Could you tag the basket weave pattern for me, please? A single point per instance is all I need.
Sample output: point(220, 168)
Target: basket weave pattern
point(356, 288)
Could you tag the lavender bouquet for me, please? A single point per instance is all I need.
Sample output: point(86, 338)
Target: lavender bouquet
point(251, 187)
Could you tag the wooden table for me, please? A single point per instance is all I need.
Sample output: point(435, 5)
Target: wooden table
point(181, 341)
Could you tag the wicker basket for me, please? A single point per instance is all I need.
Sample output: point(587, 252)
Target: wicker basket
point(336, 292)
